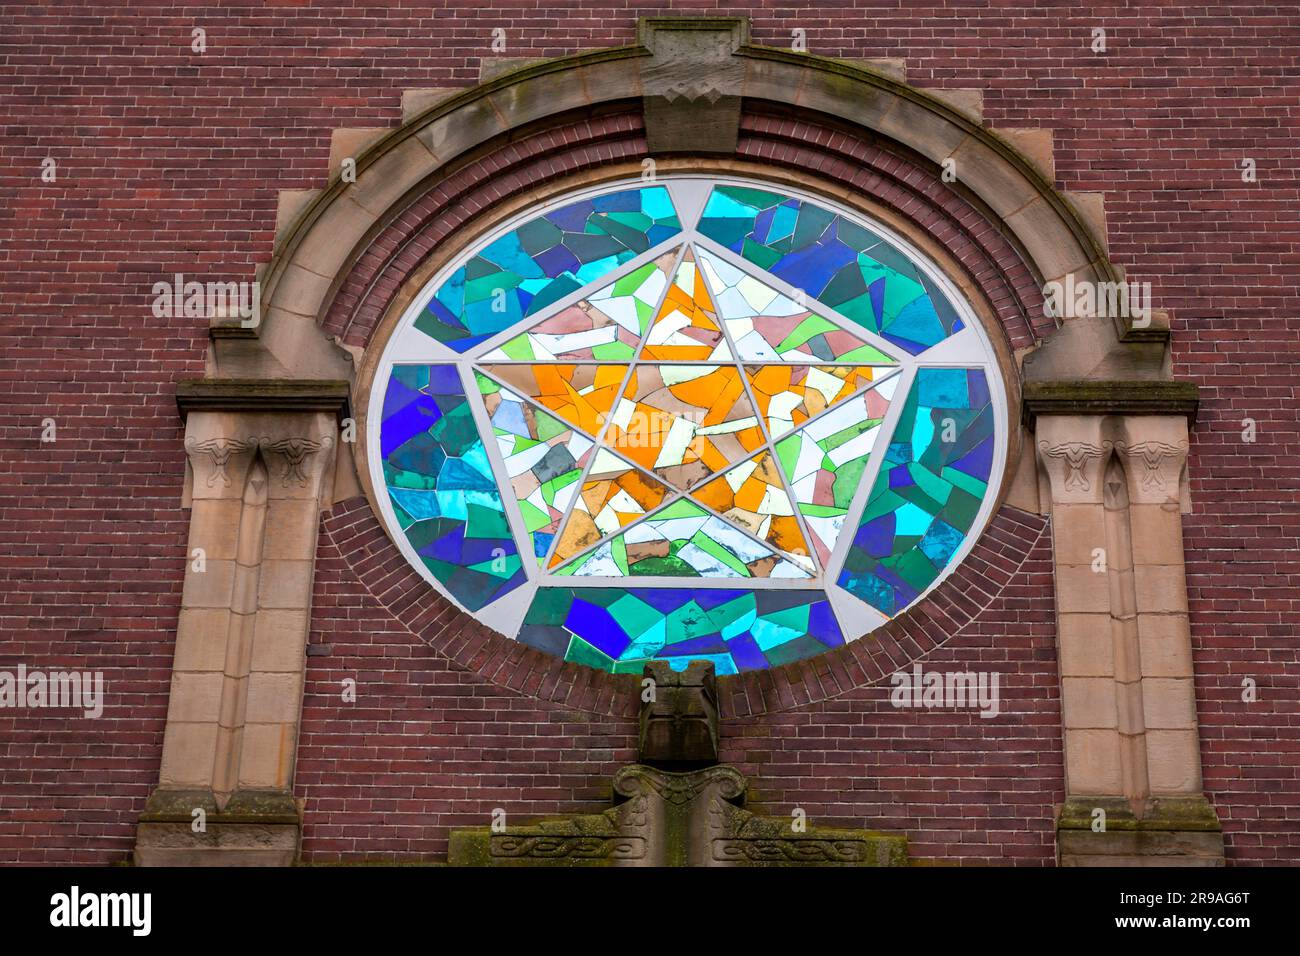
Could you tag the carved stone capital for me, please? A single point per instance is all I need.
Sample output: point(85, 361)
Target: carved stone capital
point(1073, 455)
point(679, 789)
point(1154, 449)
point(296, 454)
point(211, 460)
point(296, 447)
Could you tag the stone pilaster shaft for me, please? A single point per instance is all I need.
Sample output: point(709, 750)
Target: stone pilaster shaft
point(1125, 645)
point(257, 483)
point(1154, 453)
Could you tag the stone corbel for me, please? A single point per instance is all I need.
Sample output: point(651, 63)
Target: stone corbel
point(1112, 457)
point(260, 466)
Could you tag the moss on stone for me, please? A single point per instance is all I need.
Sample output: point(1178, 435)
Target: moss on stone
point(1129, 397)
point(1164, 813)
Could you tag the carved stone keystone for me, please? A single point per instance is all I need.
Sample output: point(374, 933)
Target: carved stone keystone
point(679, 723)
point(692, 83)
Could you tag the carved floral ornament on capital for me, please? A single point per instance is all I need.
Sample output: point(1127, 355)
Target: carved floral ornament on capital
point(293, 451)
point(1076, 455)
point(1150, 455)
point(678, 789)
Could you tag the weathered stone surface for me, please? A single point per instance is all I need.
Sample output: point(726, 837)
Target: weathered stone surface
point(189, 751)
point(211, 588)
point(461, 129)
point(491, 67)
point(1092, 762)
point(328, 245)
point(256, 828)
point(674, 819)
point(1169, 703)
point(1086, 348)
point(692, 84)
point(290, 204)
point(1139, 848)
point(679, 724)
point(1078, 530)
point(415, 102)
point(349, 143)
point(201, 639)
point(391, 174)
point(1166, 645)
point(692, 120)
point(1080, 590)
point(1034, 145)
point(914, 122)
point(986, 171)
point(1174, 761)
point(1091, 208)
point(536, 94)
point(1115, 397)
point(1048, 238)
point(299, 291)
point(1088, 702)
point(175, 844)
point(894, 67)
point(970, 102)
point(1085, 645)
point(1182, 831)
point(269, 395)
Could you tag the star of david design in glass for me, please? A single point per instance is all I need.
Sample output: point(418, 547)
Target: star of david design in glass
point(693, 419)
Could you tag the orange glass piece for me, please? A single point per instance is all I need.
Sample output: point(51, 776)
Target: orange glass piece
point(614, 495)
point(582, 395)
point(686, 328)
point(685, 422)
point(753, 496)
point(788, 395)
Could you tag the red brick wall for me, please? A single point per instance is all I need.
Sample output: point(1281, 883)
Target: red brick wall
point(171, 161)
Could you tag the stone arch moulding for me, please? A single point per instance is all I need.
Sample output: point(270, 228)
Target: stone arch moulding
point(691, 84)
point(690, 77)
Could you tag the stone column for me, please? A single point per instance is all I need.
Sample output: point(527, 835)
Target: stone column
point(1154, 451)
point(1113, 462)
point(1073, 454)
point(259, 471)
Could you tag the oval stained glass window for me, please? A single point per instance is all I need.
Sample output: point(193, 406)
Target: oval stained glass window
point(691, 419)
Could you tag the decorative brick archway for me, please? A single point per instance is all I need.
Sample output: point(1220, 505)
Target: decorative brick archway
point(693, 94)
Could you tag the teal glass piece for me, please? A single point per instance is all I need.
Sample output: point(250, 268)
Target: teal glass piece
point(834, 259)
point(544, 260)
point(620, 630)
point(929, 491)
point(441, 486)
